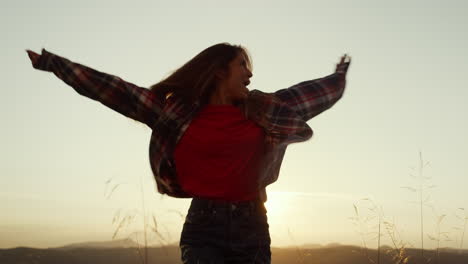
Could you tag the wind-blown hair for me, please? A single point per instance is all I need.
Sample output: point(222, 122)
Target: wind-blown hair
point(196, 80)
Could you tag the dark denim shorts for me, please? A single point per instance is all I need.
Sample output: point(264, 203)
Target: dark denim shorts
point(222, 232)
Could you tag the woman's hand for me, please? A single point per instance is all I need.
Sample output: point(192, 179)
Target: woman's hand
point(342, 66)
point(34, 57)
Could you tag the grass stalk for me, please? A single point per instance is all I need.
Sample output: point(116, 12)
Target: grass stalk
point(463, 232)
point(144, 221)
point(299, 251)
point(421, 203)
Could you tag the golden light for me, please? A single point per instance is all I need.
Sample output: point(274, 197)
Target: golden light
point(277, 203)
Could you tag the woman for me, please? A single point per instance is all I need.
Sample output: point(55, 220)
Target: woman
point(213, 140)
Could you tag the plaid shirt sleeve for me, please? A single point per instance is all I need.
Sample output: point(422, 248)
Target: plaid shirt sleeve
point(310, 98)
point(126, 98)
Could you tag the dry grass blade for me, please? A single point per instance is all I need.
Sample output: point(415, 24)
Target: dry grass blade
point(356, 210)
point(113, 190)
point(119, 226)
point(155, 229)
point(116, 216)
point(182, 216)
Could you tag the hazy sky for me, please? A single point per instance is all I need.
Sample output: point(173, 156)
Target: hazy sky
point(406, 92)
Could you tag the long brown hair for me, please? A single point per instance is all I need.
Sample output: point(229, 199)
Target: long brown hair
point(196, 80)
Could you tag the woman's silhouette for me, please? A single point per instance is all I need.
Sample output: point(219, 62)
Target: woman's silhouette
point(213, 140)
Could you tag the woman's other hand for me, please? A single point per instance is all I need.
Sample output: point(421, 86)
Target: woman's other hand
point(34, 57)
point(342, 66)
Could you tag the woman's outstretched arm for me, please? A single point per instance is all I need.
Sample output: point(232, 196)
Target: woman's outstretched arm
point(310, 98)
point(126, 98)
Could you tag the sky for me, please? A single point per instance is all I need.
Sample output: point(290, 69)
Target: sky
point(69, 165)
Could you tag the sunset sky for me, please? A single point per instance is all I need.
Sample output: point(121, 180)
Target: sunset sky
point(407, 90)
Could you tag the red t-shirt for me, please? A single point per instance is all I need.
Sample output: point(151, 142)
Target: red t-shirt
point(218, 156)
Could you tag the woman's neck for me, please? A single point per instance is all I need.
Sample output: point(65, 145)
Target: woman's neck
point(219, 98)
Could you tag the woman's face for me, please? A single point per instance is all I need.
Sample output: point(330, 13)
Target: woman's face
point(237, 79)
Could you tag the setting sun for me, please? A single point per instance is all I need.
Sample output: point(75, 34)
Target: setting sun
point(277, 203)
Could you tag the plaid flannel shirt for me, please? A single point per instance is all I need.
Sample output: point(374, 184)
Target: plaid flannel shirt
point(284, 114)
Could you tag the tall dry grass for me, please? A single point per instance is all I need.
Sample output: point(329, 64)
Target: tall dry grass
point(149, 229)
point(462, 216)
point(369, 218)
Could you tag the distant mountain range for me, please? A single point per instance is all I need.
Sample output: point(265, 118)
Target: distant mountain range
point(126, 251)
point(122, 243)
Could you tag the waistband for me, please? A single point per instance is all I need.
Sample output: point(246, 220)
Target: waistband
point(219, 204)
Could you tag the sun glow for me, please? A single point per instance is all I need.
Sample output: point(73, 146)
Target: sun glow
point(277, 203)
